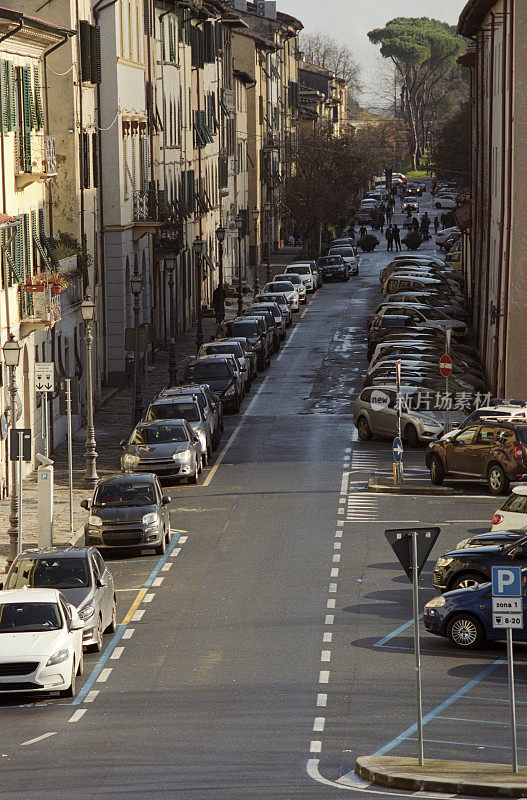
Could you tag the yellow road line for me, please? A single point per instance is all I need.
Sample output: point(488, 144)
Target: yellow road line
point(133, 608)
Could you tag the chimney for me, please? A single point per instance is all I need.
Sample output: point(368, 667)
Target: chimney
point(266, 8)
point(240, 5)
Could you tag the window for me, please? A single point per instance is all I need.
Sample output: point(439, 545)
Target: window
point(485, 436)
point(505, 437)
point(90, 47)
point(465, 437)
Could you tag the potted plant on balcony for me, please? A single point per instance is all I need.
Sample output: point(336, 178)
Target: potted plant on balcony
point(58, 283)
point(37, 283)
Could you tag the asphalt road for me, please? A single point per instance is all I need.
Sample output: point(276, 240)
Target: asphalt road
point(272, 644)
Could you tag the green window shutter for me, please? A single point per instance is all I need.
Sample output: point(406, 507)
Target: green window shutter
point(191, 191)
point(95, 54)
point(85, 45)
point(95, 158)
point(41, 225)
point(33, 236)
point(171, 52)
point(27, 245)
point(25, 118)
point(50, 250)
point(163, 34)
point(5, 96)
point(19, 249)
point(16, 273)
point(12, 95)
point(38, 97)
point(42, 252)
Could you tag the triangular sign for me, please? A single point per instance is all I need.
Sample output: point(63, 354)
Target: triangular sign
point(400, 540)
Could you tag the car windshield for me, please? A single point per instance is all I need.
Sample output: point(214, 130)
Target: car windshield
point(21, 617)
point(272, 298)
point(52, 573)
point(223, 349)
point(281, 286)
point(294, 279)
point(299, 270)
point(174, 410)
point(431, 313)
point(122, 493)
point(342, 251)
point(245, 328)
point(159, 434)
point(328, 261)
point(208, 371)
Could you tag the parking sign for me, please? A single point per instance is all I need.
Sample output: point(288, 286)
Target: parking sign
point(506, 581)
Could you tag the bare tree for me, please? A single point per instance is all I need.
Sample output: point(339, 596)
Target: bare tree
point(328, 53)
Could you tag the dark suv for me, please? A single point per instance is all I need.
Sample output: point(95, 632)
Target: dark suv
point(460, 569)
point(490, 449)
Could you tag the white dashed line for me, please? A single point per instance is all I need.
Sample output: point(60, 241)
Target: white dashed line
point(329, 619)
point(327, 637)
point(319, 723)
point(157, 581)
point(77, 715)
point(322, 700)
point(330, 603)
point(129, 632)
point(337, 545)
point(117, 652)
point(332, 588)
point(338, 534)
point(38, 738)
point(325, 655)
point(336, 558)
point(148, 597)
point(324, 676)
point(335, 572)
point(175, 552)
point(315, 747)
point(138, 615)
point(105, 674)
point(91, 696)
point(182, 539)
point(166, 566)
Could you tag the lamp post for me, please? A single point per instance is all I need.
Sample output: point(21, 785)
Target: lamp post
point(267, 207)
point(239, 225)
point(256, 214)
point(11, 350)
point(136, 285)
point(172, 365)
point(220, 236)
point(197, 246)
point(90, 454)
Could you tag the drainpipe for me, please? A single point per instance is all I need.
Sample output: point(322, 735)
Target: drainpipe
point(486, 320)
point(81, 148)
point(509, 197)
point(495, 382)
point(163, 297)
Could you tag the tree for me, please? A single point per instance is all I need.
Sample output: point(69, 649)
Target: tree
point(329, 175)
point(451, 147)
point(328, 53)
point(423, 52)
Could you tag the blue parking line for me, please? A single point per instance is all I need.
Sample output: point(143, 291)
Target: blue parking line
point(466, 744)
point(481, 721)
point(495, 699)
point(121, 629)
point(396, 632)
point(441, 707)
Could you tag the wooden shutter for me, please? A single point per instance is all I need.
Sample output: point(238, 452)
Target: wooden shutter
point(133, 137)
point(12, 95)
point(95, 54)
point(86, 160)
point(171, 43)
point(95, 157)
point(144, 161)
point(25, 119)
point(27, 245)
point(85, 45)
point(5, 96)
point(38, 97)
point(163, 35)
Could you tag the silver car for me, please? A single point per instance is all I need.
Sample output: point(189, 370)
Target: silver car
point(280, 300)
point(168, 448)
point(297, 282)
point(83, 578)
point(184, 408)
point(285, 287)
point(228, 347)
point(375, 414)
point(209, 403)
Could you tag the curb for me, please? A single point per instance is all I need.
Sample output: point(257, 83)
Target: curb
point(449, 777)
point(386, 486)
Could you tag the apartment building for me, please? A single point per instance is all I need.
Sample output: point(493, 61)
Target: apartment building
point(495, 272)
point(323, 99)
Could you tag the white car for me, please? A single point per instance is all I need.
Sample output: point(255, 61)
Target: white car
point(443, 235)
point(228, 347)
point(512, 515)
point(297, 282)
point(284, 287)
point(306, 272)
point(445, 201)
point(40, 642)
point(349, 254)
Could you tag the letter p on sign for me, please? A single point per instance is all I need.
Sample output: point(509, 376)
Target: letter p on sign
point(506, 581)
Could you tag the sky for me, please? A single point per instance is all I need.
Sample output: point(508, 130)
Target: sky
point(350, 20)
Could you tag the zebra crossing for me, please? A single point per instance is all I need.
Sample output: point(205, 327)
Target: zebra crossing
point(361, 506)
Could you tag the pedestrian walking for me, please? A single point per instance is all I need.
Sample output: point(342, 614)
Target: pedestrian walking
point(443, 221)
point(415, 224)
point(396, 237)
point(436, 224)
point(389, 214)
point(218, 301)
point(389, 237)
point(362, 231)
point(425, 225)
point(381, 220)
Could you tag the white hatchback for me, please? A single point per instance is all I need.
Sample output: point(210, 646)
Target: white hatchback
point(40, 642)
point(512, 515)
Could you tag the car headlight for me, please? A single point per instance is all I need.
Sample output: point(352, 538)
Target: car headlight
point(95, 521)
point(58, 657)
point(130, 461)
point(183, 457)
point(444, 562)
point(86, 612)
point(436, 602)
point(462, 544)
point(150, 519)
point(230, 391)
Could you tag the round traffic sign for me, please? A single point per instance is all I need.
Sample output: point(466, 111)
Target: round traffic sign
point(445, 365)
point(397, 450)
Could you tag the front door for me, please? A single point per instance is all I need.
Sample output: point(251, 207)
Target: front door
point(478, 452)
point(456, 451)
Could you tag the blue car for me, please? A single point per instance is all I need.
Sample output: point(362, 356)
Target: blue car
point(464, 616)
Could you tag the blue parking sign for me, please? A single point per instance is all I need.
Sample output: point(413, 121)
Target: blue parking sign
point(506, 581)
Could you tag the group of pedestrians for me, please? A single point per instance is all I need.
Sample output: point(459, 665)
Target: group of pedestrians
point(393, 237)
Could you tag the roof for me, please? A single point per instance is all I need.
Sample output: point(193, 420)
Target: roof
point(9, 15)
point(244, 77)
point(307, 66)
point(45, 552)
point(257, 39)
point(27, 595)
point(129, 477)
point(472, 16)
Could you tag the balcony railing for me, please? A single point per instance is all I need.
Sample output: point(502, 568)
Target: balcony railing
point(147, 206)
point(41, 155)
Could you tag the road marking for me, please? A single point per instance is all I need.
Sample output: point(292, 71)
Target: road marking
point(330, 603)
point(77, 715)
point(129, 632)
point(133, 608)
point(315, 747)
point(148, 597)
point(335, 572)
point(182, 539)
point(157, 581)
point(318, 725)
point(91, 696)
point(166, 566)
point(117, 652)
point(38, 738)
point(338, 534)
point(396, 632)
point(138, 616)
point(336, 557)
point(327, 637)
point(324, 676)
point(176, 552)
point(105, 674)
point(329, 619)
point(332, 587)
point(337, 545)
point(344, 483)
point(325, 655)
point(291, 337)
point(322, 700)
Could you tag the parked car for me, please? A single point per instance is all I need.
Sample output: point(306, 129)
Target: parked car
point(250, 352)
point(281, 302)
point(512, 514)
point(375, 414)
point(41, 642)
point(445, 201)
point(423, 315)
point(489, 450)
point(229, 347)
point(220, 376)
point(241, 372)
point(306, 272)
point(470, 566)
point(436, 299)
point(349, 254)
point(169, 448)
point(170, 406)
point(297, 282)
point(443, 235)
point(128, 511)
point(506, 536)
point(267, 321)
point(209, 403)
point(410, 204)
point(286, 288)
point(333, 268)
point(251, 330)
point(278, 317)
point(82, 577)
point(464, 617)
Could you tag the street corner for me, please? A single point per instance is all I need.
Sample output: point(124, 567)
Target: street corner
point(387, 486)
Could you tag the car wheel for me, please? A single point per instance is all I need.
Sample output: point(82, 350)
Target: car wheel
point(465, 631)
point(497, 480)
point(437, 471)
point(209, 452)
point(160, 549)
point(97, 646)
point(194, 478)
point(112, 627)
point(411, 437)
point(80, 667)
point(204, 459)
point(466, 581)
point(70, 691)
point(364, 429)
point(200, 464)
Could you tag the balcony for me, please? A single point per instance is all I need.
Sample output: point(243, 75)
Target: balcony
point(39, 311)
point(148, 208)
point(41, 158)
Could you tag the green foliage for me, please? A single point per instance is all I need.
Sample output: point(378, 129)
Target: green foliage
point(413, 240)
point(451, 148)
point(376, 219)
point(368, 243)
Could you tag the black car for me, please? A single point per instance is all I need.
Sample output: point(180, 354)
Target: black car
point(128, 511)
point(333, 268)
point(414, 190)
point(251, 330)
point(459, 569)
point(220, 376)
point(492, 537)
point(271, 329)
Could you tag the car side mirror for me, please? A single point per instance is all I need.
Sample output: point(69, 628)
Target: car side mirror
point(166, 499)
point(101, 583)
point(85, 504)
point(75, 624)
point(123, 442)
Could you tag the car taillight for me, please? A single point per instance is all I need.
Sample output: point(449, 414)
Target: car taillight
point(518, 451)
point(497, 518)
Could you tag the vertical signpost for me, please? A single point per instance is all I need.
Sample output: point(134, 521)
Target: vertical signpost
point(412, 546)
point(45, 383)
point(398, 472)
point(448, 333)
point(69, 404)
point(20, 450)
point(507, 613)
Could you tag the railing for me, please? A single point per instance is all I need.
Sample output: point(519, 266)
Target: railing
point(146, 206)
point(42, 154)
point(72, 297)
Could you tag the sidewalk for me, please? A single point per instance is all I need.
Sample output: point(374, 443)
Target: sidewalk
point(451, 777)
point(112, 424)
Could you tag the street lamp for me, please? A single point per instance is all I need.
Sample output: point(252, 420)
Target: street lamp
point(172, 365)
point(197, 246)
point(220, 236)
point(256, 214)
point(11, 350)
point(239, 225)
point(136, 285)
point(267, 207)
point(90, 454)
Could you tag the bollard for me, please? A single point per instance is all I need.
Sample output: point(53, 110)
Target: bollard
point(45, 504)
